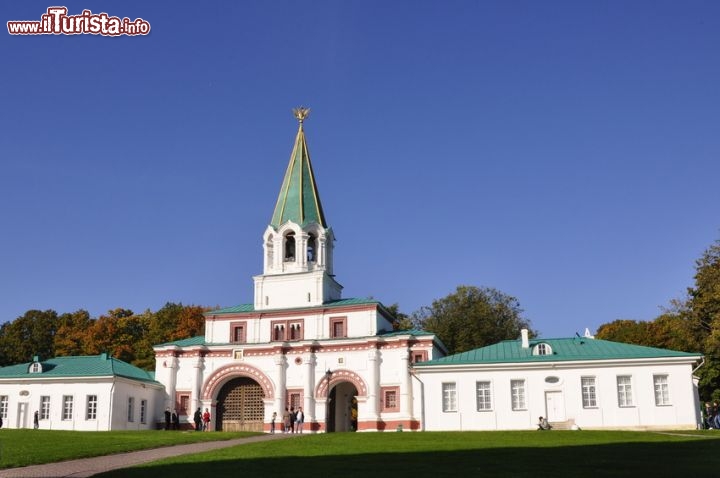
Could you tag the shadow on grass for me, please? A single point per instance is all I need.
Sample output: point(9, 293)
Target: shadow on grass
point(668, 459)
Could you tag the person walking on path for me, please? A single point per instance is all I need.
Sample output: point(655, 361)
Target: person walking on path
point(206, 420)
point(197, 418)
point(299, 420)
point(272, 422)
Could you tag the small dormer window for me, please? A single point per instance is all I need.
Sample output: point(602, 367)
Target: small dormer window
point(35, 367)
point(542, 349)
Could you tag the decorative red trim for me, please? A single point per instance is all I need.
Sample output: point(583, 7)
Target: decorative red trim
point(217, 378)
point(339, 376)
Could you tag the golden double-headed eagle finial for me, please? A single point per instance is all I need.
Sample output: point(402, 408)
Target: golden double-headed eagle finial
point(301, 113)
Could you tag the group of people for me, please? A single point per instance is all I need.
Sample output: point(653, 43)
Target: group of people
point(293, 420)
point(711, 416)
point(202, 420)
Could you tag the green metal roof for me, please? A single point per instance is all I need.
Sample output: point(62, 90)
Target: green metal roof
point(299, 200)
point(78, 366)
point(335, 303)
point(578, 348)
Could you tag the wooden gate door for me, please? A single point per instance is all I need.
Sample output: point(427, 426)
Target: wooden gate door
point(240, 406)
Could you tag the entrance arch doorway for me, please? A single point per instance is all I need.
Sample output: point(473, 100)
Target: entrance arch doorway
point(240, 406)
point(342, 408)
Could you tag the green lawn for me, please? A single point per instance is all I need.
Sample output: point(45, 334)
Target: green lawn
point(510, 454)
point(31, 447)
point(381, 455)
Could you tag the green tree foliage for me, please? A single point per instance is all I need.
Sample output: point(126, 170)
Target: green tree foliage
point(31, 334)
point(120, 332)
point(473, 317)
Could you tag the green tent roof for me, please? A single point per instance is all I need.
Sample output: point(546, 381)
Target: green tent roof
point(299, 200)
point(567, 349)
point(78, 366)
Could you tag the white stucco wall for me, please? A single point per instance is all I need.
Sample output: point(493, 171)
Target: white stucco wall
point(565, 396)
point(112, 403)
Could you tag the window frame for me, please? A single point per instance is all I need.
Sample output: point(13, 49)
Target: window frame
point(342, 322)
point(518, 394)
point(91, 406)
point(67, 407)
point(588, 392)
point(486, 398)
point(624, 391)
point(143, 411)
point(44, 412)
point(4, 405)
point(663, 400)
point(449, 397)
point(234, 328)
point(390, 405)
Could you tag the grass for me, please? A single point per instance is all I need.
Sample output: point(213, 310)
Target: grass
point(32, 447)
point(380, 455)
point(453, 454)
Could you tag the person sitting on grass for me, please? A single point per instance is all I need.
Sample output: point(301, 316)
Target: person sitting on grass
point(543, 424)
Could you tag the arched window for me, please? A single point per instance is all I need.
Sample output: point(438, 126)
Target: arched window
point(311, 248)
point(542, 349)
point(290, 247)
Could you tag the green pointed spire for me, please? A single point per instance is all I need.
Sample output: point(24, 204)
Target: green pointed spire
point(299, 200)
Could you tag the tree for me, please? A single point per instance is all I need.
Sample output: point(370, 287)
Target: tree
point(400, 321)
point(473, 317)
point(29, 335)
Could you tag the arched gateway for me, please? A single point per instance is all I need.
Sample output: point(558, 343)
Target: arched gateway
point(240, 406)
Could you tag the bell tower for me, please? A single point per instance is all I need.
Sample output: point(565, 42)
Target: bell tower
point(297, 244)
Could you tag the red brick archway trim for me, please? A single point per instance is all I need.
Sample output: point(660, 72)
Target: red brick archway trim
point(215, 381)
point(337, 377)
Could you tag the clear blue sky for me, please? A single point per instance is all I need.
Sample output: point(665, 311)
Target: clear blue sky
point(565, 153)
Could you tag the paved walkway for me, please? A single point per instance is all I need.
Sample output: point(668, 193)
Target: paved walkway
point(91, 466)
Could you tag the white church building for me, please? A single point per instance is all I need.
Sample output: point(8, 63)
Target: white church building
point(300, 344)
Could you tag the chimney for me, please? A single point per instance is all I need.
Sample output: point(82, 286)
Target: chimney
point(524, 337)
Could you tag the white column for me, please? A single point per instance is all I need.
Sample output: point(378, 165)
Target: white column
point(373, 383)
point(197, 382)
point(406, 396)
point(280, 379)
point(172, 364)
point(309, 388)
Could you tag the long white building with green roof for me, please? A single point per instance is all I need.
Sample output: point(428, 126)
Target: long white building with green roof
point(86, 393)
point(573, 382)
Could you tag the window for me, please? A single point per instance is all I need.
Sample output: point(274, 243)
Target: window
point(91, 408)
point(294, 399)
point(44, 407)
point(449, 397)
point(67, 410)
point(182, 402)
point(3, 406)
point(517, 387)
point(287, 330)
point(338, 327)
point(417, 356)
point(483, 396)
point(542, 349)
point(237, 332)
point(589, 394)
point(390, 399)
point(143, 411)
point(624, 389)
point(131, 409)
point(290, 247)
point(662, 391)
